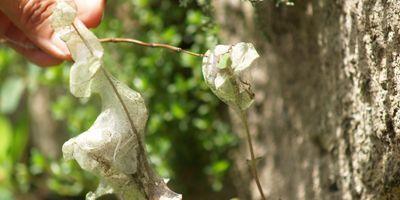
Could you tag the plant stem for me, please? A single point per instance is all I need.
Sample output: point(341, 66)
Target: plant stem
point(243, 117)
point(158, 45)
point(141, 43)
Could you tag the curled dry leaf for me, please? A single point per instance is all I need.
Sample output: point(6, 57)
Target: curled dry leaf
point(222, 71)
point(113, 147)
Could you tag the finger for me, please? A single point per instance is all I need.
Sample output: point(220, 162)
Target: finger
point(17, 40)
point(32, 26)
point(36, 55)
point(4, 23)
point(90, 12)
point(54, 46)
point(32, 21)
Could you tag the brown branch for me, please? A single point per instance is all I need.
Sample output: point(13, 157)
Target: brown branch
point(154, 45)
point(138, 42)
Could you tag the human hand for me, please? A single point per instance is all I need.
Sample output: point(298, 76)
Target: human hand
point(25, 25)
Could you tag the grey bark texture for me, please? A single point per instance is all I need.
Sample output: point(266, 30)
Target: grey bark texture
point(327, 87)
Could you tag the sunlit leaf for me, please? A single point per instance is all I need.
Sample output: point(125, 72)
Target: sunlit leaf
point(222, 71)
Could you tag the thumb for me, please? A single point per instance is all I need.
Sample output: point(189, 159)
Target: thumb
point(90, 12)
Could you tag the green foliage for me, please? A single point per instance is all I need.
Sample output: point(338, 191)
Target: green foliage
point(187, 136)
point(185, 131)
point(10, 94)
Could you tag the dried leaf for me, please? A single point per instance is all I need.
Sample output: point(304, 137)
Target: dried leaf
point(113, 147)
point(222, 71)
point(243, 55)
point(102, 189)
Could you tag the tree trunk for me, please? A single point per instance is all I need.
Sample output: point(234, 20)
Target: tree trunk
point(44, 134)
point(327, 96)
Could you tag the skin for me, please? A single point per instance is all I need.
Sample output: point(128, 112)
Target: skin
point(26, 27)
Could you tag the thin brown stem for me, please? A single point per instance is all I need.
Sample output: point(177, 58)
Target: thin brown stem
point(154, 45)
point(253, 162)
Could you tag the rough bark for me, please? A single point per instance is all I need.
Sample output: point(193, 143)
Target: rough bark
point(327, 95)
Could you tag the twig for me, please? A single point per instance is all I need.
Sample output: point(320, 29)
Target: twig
point(253, 161)
point(158, 45)
point(138, 42)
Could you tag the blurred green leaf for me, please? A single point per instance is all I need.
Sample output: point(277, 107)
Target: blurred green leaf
point(220, 166)
point(38, 163)
point(6, 138)
point(10, 94)
point(5, 194)
point(178, 111)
